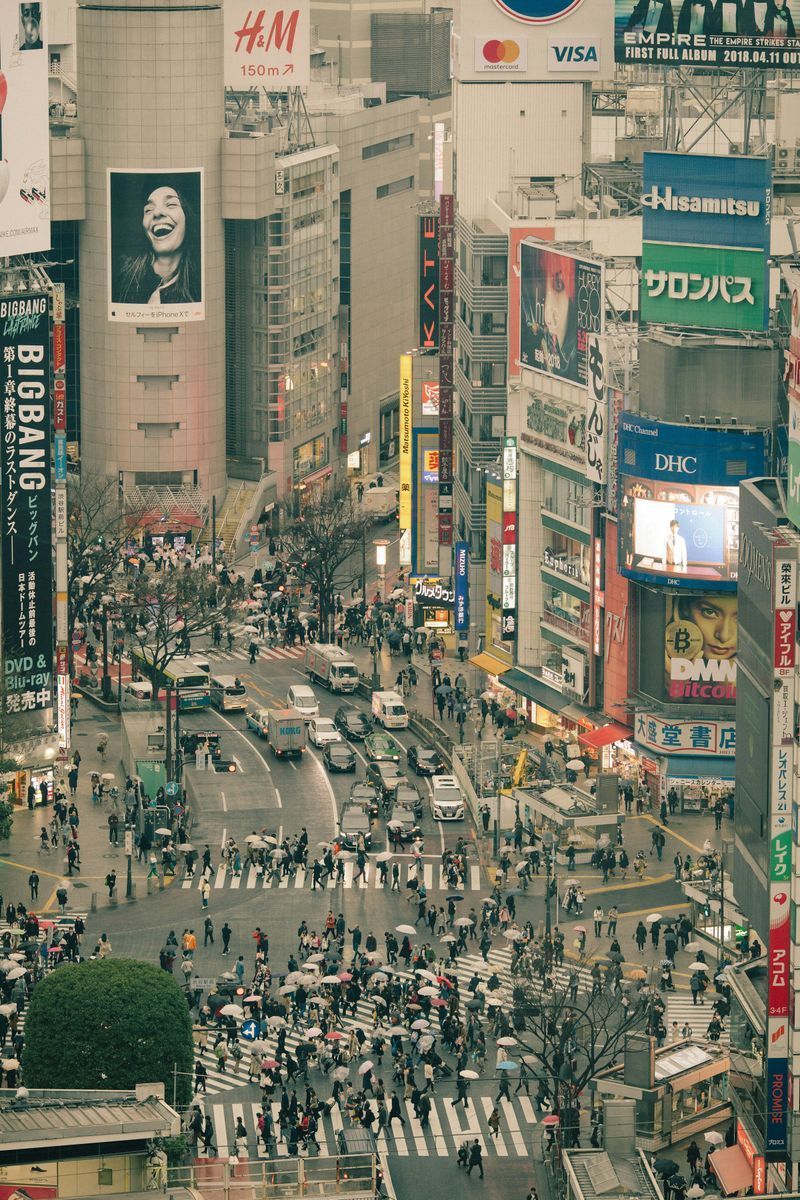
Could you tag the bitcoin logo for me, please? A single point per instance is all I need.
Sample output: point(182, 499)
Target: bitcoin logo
point(682, 639)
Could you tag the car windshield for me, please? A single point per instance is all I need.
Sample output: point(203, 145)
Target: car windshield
point(337, 750)
point(401, 813)
point(426, 755)
point(325, 725)
point(362, 791)
point(353, 821)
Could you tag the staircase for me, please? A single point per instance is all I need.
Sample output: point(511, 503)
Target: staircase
point(229, 516)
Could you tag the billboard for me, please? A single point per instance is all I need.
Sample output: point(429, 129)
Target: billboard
point(793, 391)
point(692, 738)
point(728, 33)
point(405, 440)
point(267, 41)
point(706, 224)
point(508, 617)
point(461, 587)
point(25, 493)
point(596, 410)
point(701, 643)
point(679, 500)
point(516, 235)
point(533, 40)
point(447, 213)
point(429, 282)
point(430, 398)
point(425, 506)
point(494, 558)
point(561, 301)
point(155, 246)
point(24, 129)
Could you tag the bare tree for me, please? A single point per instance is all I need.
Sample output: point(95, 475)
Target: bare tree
point(165, 611)
point(572, 1031)
point(325, 538)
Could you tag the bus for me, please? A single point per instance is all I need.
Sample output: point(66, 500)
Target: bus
point(190, 684)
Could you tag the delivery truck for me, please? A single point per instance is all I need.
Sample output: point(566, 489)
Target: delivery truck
point(389, 711)
point(332, 666)
point(286, 732)
point(379, 503)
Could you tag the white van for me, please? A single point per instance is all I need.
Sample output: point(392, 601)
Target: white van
point(137, 692)
point(257, 719)
point(228, 693)
point(447, 802)
point(389, 711)
point(301, 697)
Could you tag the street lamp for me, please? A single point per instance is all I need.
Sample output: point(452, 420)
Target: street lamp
point(105, 684)
point(129, 856)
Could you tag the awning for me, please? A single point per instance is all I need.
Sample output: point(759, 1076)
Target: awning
point(534, 689)
point(732, 1169)
point(606, 735)
point(487, 662)
point(691, 766)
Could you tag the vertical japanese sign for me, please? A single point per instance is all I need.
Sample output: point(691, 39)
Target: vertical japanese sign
point(27, 562)
point(405, 441)
point(429, 282)
point(60, 501)
point(596, 409)
point(446, 314)
point(793, 391)
point(784, 591)
point(461, 586)
point(508, 619)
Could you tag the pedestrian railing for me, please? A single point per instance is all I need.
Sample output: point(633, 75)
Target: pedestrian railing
point(343, 1176)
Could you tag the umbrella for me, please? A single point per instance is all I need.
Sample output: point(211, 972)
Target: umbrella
point(278, 854)
point(253, 837)
point(473, 1005)
point(467, 1074)
point(695, 1192)
point(335, 1036)
point(427, 974)
point(513, 935)
point(254, 999)
point(664, 1166)
point(693, 947)
point(448, 937)
point(462, 922)
point(345, 976)
point(273, 841)
point(676, 1181)
point(438, 1002)
point(698, 966)
point(714, 1137)
point(528, 849)
point(286, 990)
point(653, 917)
point(455, 896)
point(7, 1009)
point(314, 1032)
point(276, 1021)
point(579, 928)
point(489, 900)
point(514, 892)
point(398, 1031)
point(314, 958)
point(185, 847)
point(231, 1010)
point(409, 929)
point(16, 973)
point(429, 991)
point(384, 856)
point(331, 979)
point(379, 1000)
point(638, 973)
point(10, 1064)
point(425, 1042)
point(340, 1073)
point(394, 824)
point(506, 1041)
point(575, 764)
point(270, 1063)
point(507, 1065)
point(163, 831)
point(420, 1023)
point(552, 1120)
point(365, 1066)
point(494, 1002)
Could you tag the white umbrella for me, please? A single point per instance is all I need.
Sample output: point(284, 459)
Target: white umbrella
point(698, 966)
point(253, 837)
point(653, 917)
point(428, 974)
point(231, 1010)
point(275, 1021)
point(365, 1066)
point(286, 990)
point(513, 935)
point(185, 847)
point(398, 1031)
point(575, 764)
point(714, 1137)
point(506, 1041)
point(314, 1032)
point(693, 947)
point(467, 1074)
point(695, 1192)
point(384, 856)
point(448, 937)
point(409, 929)
point(528, 849)
point(163, 831)
point(273, 841)
point(429, 991)
point(278, 854)
point(462, 922)
point(494, 1002)
point(340, 1073)
point(16, 973)
point(10, 1064)
point(331, 979)
point(252, 999)
point(7, 1009)
point(314, 958)
point(420, 1023)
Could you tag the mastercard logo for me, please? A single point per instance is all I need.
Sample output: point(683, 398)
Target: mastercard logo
point(495, 51)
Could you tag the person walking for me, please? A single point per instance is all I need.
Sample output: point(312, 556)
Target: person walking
point(208, 931)
point(226, 937)
point(640, 936)
point(205, 891)
point(395, 1113)
point(475, 1158)
point(33, 884)
point(493, 1122)
point(598, 921)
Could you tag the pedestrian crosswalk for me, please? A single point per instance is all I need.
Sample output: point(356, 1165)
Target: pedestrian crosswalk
point(444, 1131)
point(431, 874)
point(240, 652)
point(696, 1016)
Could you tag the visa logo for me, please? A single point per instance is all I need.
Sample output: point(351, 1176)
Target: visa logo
point(573, 55)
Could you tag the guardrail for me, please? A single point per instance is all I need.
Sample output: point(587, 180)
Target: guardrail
point(345, 1176)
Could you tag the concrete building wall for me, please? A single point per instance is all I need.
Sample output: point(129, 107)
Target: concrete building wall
point(151, 96)
point(344, 32)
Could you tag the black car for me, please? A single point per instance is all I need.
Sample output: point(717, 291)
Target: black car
point(385, 777)
point(407, 795)
point(404, 822)
point(354, 823)
point(425, 761)
point(365, 796)
point(352, 722)
point(191, 739)
point(338, 756)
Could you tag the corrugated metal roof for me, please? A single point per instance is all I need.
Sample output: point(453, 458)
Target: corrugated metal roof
point(631, 1179)
point(49, 1120)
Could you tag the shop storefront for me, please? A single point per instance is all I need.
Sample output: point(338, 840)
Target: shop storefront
point(696, 758)
point(311, 459)
point(433, 608)
point(550, 711)
point(32, 788)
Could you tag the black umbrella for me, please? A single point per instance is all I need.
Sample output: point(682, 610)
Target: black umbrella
point(676, 1181)
point(455, 896)
point(665, 1167)
point(474, 1005)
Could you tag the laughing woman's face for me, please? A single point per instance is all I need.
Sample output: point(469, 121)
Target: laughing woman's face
point(164, 221)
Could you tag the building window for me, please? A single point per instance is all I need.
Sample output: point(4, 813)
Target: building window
point(391, 189)
point(396, 143)
point(564, 498)
point(566, 613)
point(311, 456)
point(492, 268)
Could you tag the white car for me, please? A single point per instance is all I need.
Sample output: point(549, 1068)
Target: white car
point(301, 697)
point(322, 730)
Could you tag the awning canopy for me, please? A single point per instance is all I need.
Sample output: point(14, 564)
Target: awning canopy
point(487, 662)
point(605, 735)
point(732, 1169)
point(534, 689)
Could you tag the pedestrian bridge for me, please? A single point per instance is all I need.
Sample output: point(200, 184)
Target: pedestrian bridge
point(347, 1177)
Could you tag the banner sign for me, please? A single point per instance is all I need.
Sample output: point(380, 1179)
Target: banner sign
point(446, 314)
point(461, 578)
point(596, 409)
point(405, 440)
point(25, 489)
point(429, 282)
point(434, 593)
point(508, 595)
point(753, 34)
point(562, 303)
point(267, 41)
point(696, 737)
point(792, 375)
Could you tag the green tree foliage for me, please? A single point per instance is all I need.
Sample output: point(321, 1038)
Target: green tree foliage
point(6, 819)
point(109, 1024)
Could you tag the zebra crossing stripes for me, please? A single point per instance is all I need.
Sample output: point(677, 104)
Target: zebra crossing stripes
point(446, 1129)
point(432, 875)
point(269, 653)
point(697, 1017)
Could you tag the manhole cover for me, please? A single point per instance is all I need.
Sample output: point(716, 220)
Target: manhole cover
point(76, 883)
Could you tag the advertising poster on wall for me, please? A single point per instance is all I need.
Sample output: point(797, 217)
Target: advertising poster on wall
point(267, 41)
point(561, 302)
point(25, 491)
point(792, 278)
point(155, 246)
point(701, 640)
point(516, 235)
point(729, 33)
point(425, 509)
point(24, 128)
point(533, 39)
point(405, 440)
point(679, 500)
point(429, 282)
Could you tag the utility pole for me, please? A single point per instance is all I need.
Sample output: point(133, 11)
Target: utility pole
point(168, 728)
point(214, 536)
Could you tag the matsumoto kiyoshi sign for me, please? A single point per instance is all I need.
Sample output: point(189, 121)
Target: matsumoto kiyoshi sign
point(25, 492)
